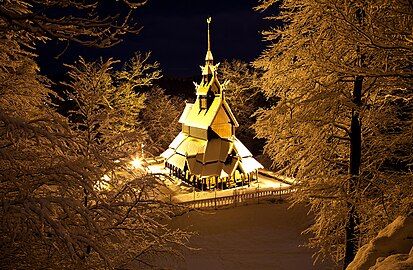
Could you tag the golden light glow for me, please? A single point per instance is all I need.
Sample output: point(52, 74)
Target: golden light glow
point(136, 163)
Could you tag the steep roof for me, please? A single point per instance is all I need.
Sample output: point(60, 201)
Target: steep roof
point(209, 158)
point(194, 116)
point(240, 148)
point(185, 113)
point(229, 112)
point(202, 118)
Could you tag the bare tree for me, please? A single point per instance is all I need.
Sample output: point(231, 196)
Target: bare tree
point(343, 74)
point(36, 20)
point(68, 196)
point(125, 203)
point(107, 105)
point(244, 96)
point(160, 119)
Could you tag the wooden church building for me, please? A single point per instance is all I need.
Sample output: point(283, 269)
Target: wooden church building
point(206, 152)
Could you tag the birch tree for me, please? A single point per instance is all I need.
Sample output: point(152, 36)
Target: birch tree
point(342, 127)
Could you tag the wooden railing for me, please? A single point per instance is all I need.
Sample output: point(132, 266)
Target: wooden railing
point(240, 198)
point(154, 160)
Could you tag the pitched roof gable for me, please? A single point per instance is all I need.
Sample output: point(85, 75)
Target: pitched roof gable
point(194, 116)
point(229, 113)
point(202, 118)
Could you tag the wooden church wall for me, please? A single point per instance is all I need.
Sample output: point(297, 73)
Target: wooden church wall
point(222, 125)
point(198, 133)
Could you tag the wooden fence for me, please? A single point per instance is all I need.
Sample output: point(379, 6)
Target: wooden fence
point(240, 198)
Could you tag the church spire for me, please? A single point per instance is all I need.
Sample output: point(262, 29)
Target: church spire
point(208, 56)
point(209, 83)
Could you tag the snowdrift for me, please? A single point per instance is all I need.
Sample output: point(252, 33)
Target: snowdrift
point(390, 249)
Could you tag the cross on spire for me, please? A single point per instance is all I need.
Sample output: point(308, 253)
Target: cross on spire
point(208, 57)
point(209, 37)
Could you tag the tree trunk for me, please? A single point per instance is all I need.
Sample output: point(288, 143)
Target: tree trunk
point(85, 202)
point(355, 161)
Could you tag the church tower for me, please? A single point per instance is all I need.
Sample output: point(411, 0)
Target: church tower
point(206, 152)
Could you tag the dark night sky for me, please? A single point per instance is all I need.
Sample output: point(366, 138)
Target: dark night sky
point(175, 32)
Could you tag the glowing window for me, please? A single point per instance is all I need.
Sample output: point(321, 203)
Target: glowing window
point(203, 103)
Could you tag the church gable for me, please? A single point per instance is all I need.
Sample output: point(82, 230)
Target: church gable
point(202, 118)
point(222, 124)
point(229, 112)
point(221, 117)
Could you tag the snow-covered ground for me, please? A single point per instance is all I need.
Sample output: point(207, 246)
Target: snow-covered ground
point(391, 249)
point(260, 236)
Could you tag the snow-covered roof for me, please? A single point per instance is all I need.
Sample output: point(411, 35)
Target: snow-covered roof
point(167, 153)
point(210, 157)
point(240, 148)
point(178, 140)
point(177, 160)
point(250, 164)
point(185, 113)
point(191, 146)
point(202, 118)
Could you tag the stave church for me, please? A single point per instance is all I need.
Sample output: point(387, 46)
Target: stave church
point(206, 153)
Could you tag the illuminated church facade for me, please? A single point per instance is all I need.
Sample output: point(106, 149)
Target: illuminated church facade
point(206, 153)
